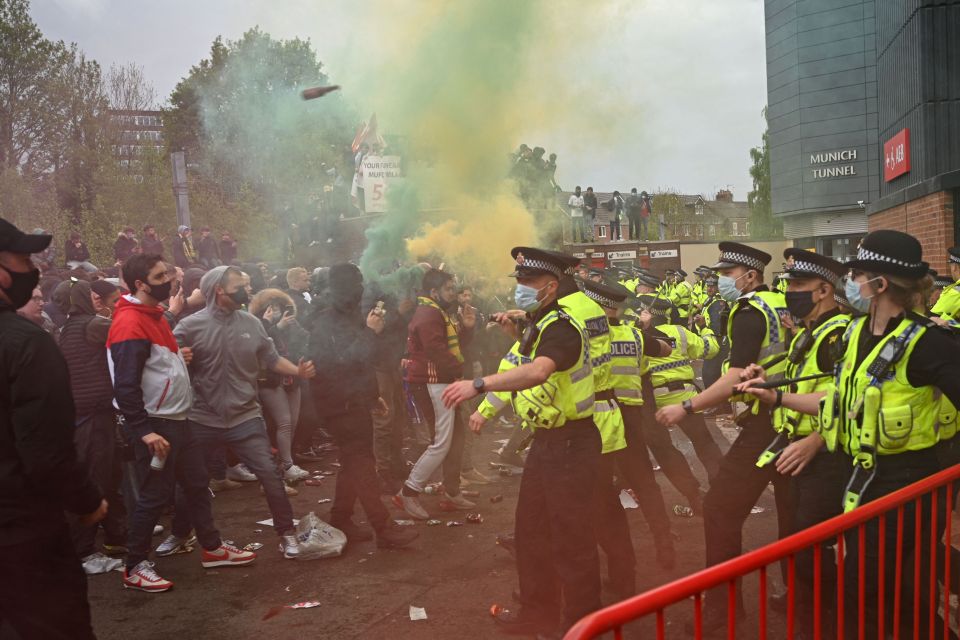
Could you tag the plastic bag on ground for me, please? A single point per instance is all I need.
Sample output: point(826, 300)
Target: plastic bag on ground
point(319, 539)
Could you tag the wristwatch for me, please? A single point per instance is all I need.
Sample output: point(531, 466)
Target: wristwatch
point(687, 406)
point(478, 385)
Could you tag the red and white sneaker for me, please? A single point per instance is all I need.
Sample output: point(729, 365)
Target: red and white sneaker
point(226, 555)
point(144, 578)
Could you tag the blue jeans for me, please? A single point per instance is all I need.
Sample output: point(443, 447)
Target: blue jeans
point(249, 442)
point(184, 467)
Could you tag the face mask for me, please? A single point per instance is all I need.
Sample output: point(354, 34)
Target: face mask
point(346, 300)
point(21, 286)
point(800, 303)
point(727, 287)
point(239, 296)
point(856, 300)
point(161, 292)
point(526, 298)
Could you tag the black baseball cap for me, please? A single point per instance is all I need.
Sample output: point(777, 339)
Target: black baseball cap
point(16, 241)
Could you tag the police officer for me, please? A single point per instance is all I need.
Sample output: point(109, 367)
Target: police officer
point(713, 315)
point(882, 406)
point(800, 449)
point(624, 391)
point(699, 296)
point(682, 295)
point(551, 387)
point(947, 306)
point(757, 335)
point(610, 522)
point(672, 379)
point(939, 284)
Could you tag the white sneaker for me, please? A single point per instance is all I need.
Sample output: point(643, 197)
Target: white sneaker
point(289, 546)
point(223, 485)
point(174, 545)
point(144, 578)
point(240, 473)
point(294, 473)
point(97, 563)
point(458, 501)
point(412, 506)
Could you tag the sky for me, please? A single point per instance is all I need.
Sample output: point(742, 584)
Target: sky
point(657, 94)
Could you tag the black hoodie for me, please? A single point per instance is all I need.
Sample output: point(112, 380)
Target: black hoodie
point(39, 473)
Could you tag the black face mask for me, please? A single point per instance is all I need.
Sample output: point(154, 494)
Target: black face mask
point(21, 286)
point(161, 292)
point(800, 303)
point(239, 296)
point(346, 300)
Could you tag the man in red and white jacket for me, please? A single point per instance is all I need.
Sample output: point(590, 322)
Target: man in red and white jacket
point(152, 390)
point(434, 360)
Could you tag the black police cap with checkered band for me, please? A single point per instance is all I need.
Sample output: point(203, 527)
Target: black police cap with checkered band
point(733, 254)
point(892, 253)
point(807, 264)
point(606, 295)
point(533, 262)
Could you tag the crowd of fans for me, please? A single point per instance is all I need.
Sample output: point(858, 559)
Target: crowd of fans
point(257, 410)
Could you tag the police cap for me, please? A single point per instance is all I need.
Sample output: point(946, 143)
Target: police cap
point(535, 262)
point(607, 295)
point(733, 254)
point(806, 264)
point(892, 253)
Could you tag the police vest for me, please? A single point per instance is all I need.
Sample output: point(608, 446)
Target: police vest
point(566, 395)
point(592, 317)
point(948, 306)
point(873, 407)
point(699, 297)
point(672, 376)
point(773, 348)
point(626, 349)
point(802, 361)
point(680, 296)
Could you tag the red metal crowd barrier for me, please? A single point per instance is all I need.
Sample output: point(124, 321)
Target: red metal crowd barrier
point(886, 618)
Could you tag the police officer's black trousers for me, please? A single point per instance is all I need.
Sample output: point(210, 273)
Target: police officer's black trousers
point(819, 495)
point(633, 464)
point(612, 529)
point(707, 450)
point(895, 472)
point(734, 492)
point(713, 368)
point(673, 463)
point(557, 560)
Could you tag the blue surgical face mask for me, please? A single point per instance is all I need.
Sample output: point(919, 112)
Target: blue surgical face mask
point(727, 288)
point(526, 298)
point(852, 288)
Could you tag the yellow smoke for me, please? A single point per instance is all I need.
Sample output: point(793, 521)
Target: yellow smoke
point(477, 238)
point(459, 79)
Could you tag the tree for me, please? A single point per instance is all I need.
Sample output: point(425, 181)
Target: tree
point(249, 137)
point(128, 89)
point(763, 224)
point(83, 146)
point(30, 66)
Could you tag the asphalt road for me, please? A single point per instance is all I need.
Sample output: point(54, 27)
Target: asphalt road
point(454, 573)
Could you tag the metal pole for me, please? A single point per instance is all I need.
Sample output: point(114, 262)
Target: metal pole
point(179, 166)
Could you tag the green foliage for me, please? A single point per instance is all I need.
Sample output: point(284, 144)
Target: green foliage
point(763, 223)
point(256, 148)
